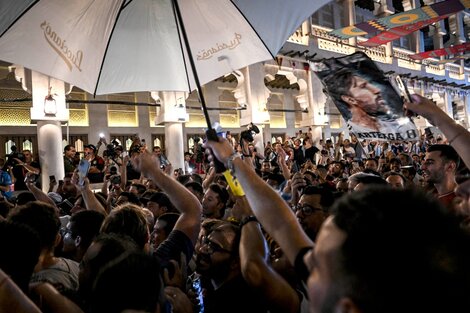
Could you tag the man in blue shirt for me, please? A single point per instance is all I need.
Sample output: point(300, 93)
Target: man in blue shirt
point(5, 181)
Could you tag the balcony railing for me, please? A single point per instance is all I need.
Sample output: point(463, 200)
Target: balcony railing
point(330, 43)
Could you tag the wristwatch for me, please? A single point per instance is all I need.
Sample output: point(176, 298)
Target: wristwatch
point(247, 219)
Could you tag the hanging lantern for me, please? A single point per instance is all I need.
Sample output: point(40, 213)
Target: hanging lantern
point(50, 106)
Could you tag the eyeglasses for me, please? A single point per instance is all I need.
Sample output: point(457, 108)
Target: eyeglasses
point(64, 231)
point(307, 209)
point(212, 247)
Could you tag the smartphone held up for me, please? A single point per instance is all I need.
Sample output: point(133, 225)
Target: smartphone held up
point(83, 168)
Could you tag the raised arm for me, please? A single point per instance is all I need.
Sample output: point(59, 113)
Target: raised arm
point(38, 193)
point(91, 202)
point(270, 209)
point(254, 264)
point(457, 136)
point(13, 299)
point(187, 204)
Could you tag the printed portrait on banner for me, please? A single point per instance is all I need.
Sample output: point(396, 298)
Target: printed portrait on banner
point(371, 106)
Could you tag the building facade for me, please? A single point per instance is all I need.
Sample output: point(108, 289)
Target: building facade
point(281, 96)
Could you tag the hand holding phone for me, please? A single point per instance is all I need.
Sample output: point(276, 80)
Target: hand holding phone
point(403, 89)
point(83, 168)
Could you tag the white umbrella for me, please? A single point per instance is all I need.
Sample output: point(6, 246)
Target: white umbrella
point(113, 46)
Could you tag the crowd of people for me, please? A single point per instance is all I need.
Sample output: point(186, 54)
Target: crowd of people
point(345, 226)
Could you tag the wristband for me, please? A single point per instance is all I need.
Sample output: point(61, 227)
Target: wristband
point(461, 132)
point(230, 159)
point(247, 219)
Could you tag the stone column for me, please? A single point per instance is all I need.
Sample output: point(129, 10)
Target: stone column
point(466, 101)
point(448, 103)
point(173, 115)
point(256, 95)
point(174, 144)
point(50, 151)
point(48, 111)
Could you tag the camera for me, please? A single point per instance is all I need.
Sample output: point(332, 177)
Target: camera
point(14, 155)
point(135, 149)
point(116, 180)
point(249, 133)
point(110, 152)
point(113, 170)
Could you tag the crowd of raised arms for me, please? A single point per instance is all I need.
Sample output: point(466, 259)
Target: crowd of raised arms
point(345, 226)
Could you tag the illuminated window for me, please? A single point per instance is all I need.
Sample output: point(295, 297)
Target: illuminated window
point(122, 114)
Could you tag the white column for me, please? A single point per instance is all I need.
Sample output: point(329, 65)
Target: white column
point(256, 95)
point(48, 111)
point(50, 151)
point(448, 103)
point(174, 146)
point(173, 115)
point(466, 100)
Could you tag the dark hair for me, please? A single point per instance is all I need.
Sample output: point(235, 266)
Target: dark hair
point(129, 220)
point(401, 253)
point(25, 197)
point(213, 225)
point(371, 180)
point(223, 195)
point(279, 178)
point(170, 221)
point(338, 162)
point(140, 188)
point(132, 281)
point(110, 247)
point(409, 159)
point(195, 186)
point(448, 153)
point(388, 174)
point(338, 85)
point(395, 160)
point(162, 200)
point(68, 147)
point(326, 195)
point(196, 177)
point(87, 225)
point(411, 169)
point(20, 248)
point(41, 217)
point(373, 160)
point(5, 207)
point(131, 198)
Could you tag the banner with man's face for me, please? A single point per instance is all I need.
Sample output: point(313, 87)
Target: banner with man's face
point(365, 98)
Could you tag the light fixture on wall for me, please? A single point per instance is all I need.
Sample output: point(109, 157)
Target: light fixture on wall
point(50, 106)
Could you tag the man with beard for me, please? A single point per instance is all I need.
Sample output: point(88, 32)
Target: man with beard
point(218, 264)
point(368, 110)
point(312, 209)
point(439, 168)
point(352, 267)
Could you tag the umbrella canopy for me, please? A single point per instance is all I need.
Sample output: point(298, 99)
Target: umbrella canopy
point(116, 46)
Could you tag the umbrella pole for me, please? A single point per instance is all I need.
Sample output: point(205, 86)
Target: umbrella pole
point(193, 67)
point(211, 133)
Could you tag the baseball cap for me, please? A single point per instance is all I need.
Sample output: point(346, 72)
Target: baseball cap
point(92, 147)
